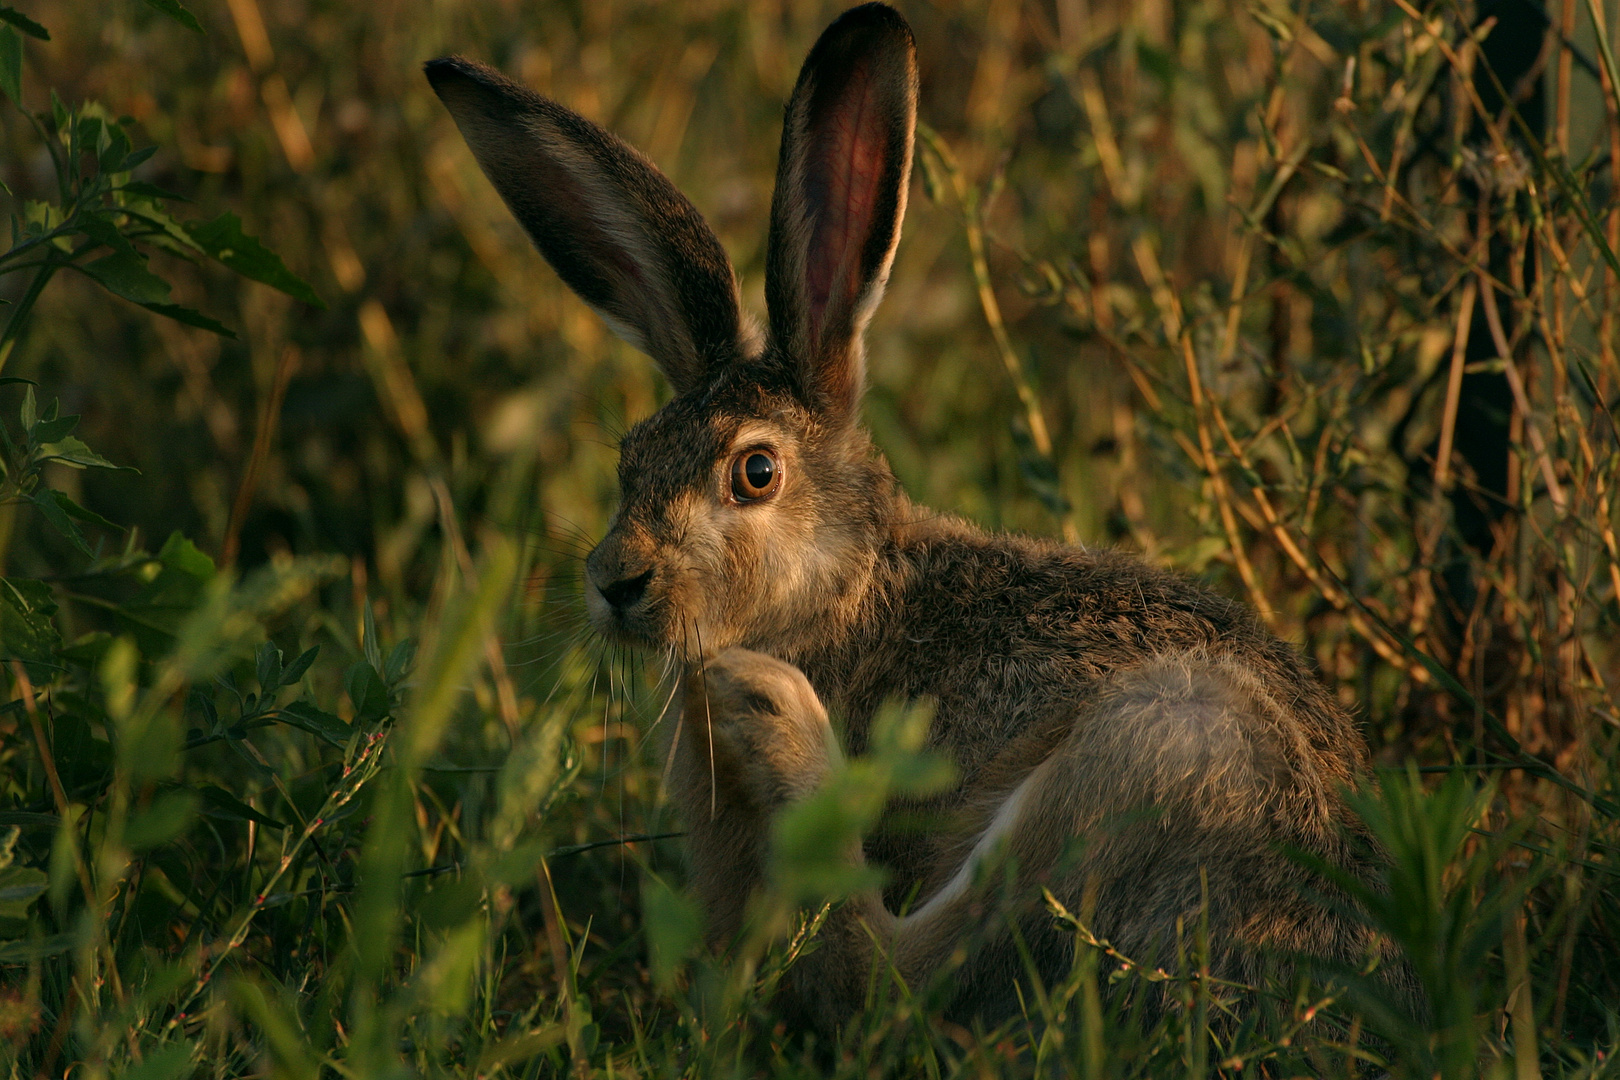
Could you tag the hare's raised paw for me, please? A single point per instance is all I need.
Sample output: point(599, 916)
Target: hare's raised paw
point(770, 740)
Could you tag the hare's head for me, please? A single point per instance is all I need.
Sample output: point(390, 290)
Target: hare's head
point(751, 504)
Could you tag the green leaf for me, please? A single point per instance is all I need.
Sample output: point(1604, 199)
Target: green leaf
point(58, 518)
point(267, 665)
point(135, 159)
point(27, 629)
point(144, 189)
point(72, 451)
point(181, 554)
point(171, 1062)
point(306, 717)
point(20, 886)
point(156, 613)
point(519, 1048)
point(191, 318)
point(674, 929)
point(168, 816)
point(368, 637)
point(173, 10)
point(367, 691)
point(24, 23)
point(124, 273)
point(219, 803)
point(112, 156)
point(24, 952)
point(74, 510)
point(29, 415)
point(224, 240)
point(83, 759)
point(399, 661)
point(295, 670)
point(11, 64)
point(47, 431)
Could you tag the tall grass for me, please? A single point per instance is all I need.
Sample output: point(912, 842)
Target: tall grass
point(1316, 302)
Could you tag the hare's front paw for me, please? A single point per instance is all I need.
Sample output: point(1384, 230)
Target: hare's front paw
point(770, 738)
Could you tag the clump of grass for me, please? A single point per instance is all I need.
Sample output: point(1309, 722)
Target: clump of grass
point(1317, 302)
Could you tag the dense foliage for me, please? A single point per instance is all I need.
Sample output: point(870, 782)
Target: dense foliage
point(308, 763)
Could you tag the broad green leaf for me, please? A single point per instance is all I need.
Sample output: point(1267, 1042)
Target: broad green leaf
point(11, 64)
point(173, 10)
point(224, 240)
point(366, 691)
point(72, 451)
point(295, 670)
point(48, 431)
point(306, 717)
point(181, 554)
point(24, 23)
point(191, 318)
point(124, 273)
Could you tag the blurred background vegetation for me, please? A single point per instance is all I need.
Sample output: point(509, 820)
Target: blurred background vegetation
point(1315, 301)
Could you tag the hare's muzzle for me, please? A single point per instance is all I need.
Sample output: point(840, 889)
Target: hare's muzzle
point(619, 580)
point(626, 593)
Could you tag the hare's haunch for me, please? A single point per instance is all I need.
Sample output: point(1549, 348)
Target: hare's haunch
point(1127, 739)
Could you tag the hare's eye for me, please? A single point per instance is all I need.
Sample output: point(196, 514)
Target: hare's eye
point(755, 475)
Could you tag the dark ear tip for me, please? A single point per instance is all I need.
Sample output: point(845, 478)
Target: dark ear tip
point(445, 68)
point(447, 73)
point(869, 18)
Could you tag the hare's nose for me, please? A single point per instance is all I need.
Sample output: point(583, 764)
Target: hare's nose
point(623, 594)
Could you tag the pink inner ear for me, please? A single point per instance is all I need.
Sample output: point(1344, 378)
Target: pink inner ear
point(842, 178)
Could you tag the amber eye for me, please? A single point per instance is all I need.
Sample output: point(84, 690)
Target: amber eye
point(755, 474)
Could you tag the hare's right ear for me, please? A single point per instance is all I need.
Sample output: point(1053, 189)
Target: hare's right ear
point(840, 194)
point(612, 226)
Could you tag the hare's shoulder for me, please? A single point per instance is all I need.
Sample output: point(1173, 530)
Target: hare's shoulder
point(1011, 633)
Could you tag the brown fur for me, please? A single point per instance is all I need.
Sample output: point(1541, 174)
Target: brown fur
point(1115, 728)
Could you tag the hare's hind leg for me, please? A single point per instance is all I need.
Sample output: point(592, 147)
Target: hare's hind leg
point(1170, 800)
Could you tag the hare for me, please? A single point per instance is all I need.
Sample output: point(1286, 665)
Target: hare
point(1122, 737)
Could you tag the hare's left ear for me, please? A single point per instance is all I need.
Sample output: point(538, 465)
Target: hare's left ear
point(840, 194)
point(613, 226)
